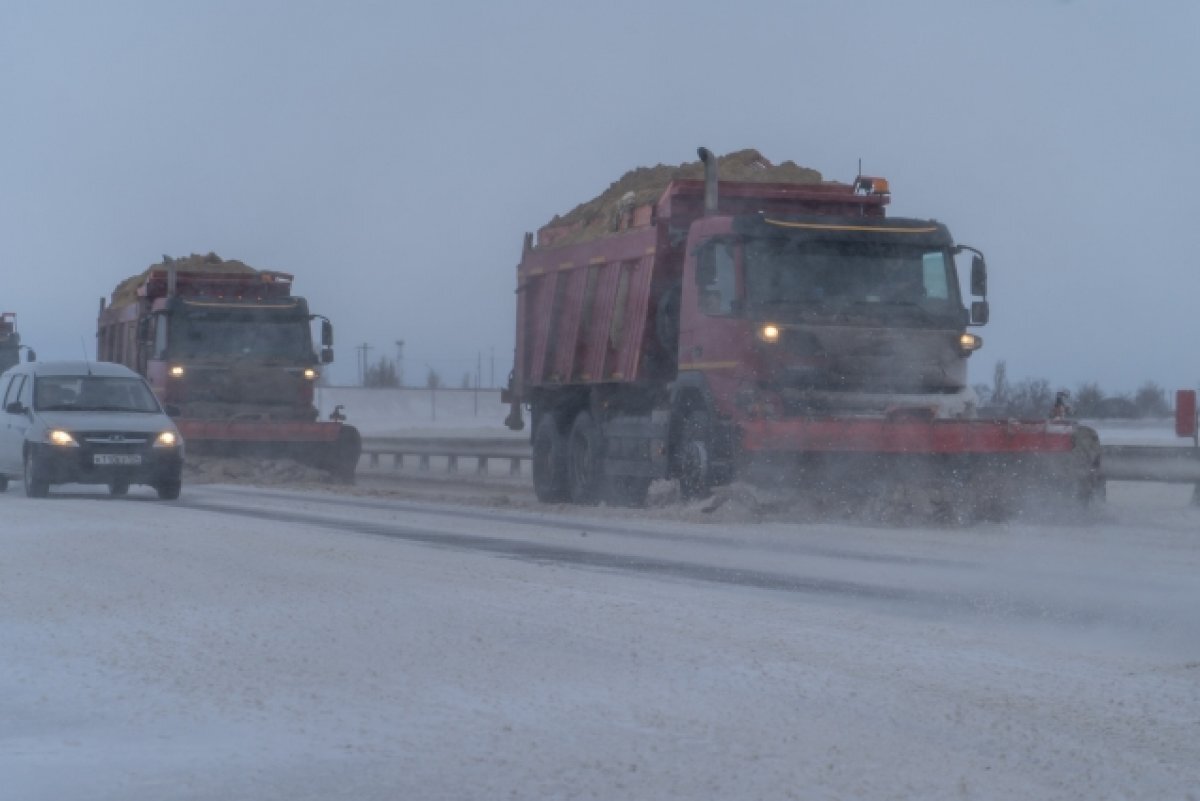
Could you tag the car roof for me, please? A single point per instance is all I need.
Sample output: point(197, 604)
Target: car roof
point(76, 368)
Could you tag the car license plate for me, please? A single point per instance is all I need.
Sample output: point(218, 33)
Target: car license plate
point(117, 458)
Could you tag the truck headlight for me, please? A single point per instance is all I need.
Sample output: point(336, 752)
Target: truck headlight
point(769, 333)
point(969, 343)
point(62, 439)
point(176, 371)
point(310, 373)
point(167, 439)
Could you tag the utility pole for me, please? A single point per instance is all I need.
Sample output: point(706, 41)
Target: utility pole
point(492, 374)
point(363, 349)
point(400, 362)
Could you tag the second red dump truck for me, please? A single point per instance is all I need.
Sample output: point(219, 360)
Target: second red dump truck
point(788, 331)
point(229, 350)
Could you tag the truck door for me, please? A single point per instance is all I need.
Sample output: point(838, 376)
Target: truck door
point(711, 326)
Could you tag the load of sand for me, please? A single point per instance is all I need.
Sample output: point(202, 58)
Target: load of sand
point(126, 291)
point(646, 184)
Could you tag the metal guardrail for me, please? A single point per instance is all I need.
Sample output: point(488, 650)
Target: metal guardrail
point(481, 449)
point(1166, 463)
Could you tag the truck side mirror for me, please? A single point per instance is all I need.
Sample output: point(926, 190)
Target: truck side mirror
point(980, 312)
point(978, 276)
point(172, 410)
point(143, 329)
point(326, 355)
point(327, 335)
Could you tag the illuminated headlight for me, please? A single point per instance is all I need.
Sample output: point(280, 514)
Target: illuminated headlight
point(969, 343)
point(61, 438)
point(769, 333)
point(310, 374)
point(167, 439)
point(175, 371)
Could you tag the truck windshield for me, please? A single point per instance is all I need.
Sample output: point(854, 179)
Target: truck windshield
point(254, 337)
point(73, 393)
point(850, 277)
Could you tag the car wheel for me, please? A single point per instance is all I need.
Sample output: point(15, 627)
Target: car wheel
point(118, 488)
point(169, 490)
point(35, 485)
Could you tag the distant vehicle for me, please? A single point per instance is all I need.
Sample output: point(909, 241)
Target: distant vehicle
point(10, 342)
point(86, 423)
point(695, 329)
point(232, 348)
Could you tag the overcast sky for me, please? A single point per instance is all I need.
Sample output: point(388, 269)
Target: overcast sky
point(392, 154)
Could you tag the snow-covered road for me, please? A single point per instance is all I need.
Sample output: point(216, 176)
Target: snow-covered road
point(273, 644)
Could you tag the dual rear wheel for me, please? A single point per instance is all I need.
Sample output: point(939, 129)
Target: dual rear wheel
point(569, 466)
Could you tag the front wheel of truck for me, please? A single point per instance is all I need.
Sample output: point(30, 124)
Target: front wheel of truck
point(549, 461)
point(695, 449)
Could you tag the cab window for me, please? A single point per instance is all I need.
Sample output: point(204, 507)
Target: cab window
point(716, 278)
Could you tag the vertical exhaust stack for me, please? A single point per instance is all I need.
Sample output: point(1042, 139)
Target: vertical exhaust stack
point(710, 180)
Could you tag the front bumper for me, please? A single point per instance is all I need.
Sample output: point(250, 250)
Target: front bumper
point(58, 465)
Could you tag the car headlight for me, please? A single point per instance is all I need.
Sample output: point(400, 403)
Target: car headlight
point(176, 371)
point(61, 438)
point(167, 439)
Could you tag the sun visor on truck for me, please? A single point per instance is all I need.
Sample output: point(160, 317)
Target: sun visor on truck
point(922, 233)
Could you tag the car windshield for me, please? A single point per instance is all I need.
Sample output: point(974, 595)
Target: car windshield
point(71, 393)
point(835, 276)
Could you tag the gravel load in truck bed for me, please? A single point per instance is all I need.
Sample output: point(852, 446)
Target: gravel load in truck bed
point(645, 184)
point(126, 291)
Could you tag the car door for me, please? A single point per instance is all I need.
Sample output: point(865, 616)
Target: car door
point(13, 427)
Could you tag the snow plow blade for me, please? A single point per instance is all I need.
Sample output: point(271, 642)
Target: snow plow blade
point(979, 469)
point(330, 446)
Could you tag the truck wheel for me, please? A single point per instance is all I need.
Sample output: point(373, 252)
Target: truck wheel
point(35, 485)
point(585, 454)
point(3, 483)
point(118, 488)
point(549, 462)
point(169, 490)
point(695, 479)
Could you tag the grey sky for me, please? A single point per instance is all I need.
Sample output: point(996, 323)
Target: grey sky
point(392, 155)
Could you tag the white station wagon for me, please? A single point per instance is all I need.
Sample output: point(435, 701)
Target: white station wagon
point(85, 423)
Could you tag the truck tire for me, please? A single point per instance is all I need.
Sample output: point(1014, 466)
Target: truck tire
point(585, 460)
point(36, 486)
point(118, 488)
point(347, 450)
point(695, 453)
point(549, 462)
point(3, 483)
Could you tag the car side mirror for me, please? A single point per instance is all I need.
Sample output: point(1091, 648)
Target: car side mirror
point(31, 355)
point(172, 410)
point(326, 355)
point(978, 276)
point(326, 334)
point(980, 312)
point(15, 407)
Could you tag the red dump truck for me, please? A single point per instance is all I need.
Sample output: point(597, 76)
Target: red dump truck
point(789, 332)
point(229, 350)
